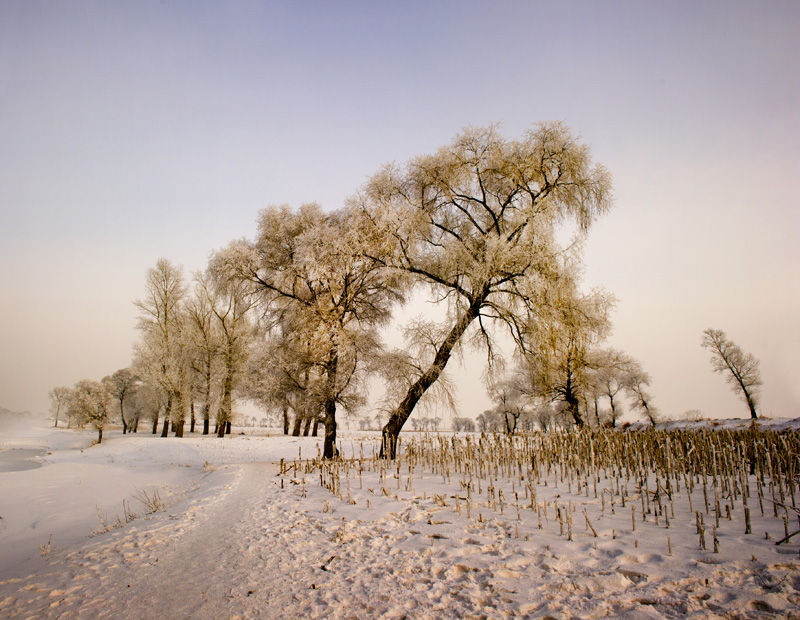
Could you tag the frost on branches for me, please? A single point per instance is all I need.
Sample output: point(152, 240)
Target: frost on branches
point(477, 221)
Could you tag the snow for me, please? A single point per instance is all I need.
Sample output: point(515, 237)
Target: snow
point(237, 538)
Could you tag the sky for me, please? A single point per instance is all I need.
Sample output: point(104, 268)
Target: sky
point(135, 131)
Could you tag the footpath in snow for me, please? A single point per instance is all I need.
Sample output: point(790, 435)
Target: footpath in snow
point(240, 540)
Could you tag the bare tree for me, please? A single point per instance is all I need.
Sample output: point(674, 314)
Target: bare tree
point(741, 369)
point(58, 396)
point(610, 371)
point(476, 221)
point(641, 399)
point(510, 396)
point(120, 385)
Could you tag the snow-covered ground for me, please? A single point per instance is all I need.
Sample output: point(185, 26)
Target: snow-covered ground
point(234, 537)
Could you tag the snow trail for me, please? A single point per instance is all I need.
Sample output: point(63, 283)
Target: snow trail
point(247, 549)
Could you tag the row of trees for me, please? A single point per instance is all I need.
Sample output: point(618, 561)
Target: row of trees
point(292, 318)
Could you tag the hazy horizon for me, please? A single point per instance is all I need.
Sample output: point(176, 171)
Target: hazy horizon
point(136, 131)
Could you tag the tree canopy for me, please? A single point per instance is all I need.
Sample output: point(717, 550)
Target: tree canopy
point(477, 222)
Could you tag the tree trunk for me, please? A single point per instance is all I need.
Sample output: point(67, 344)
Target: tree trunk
point(155, 424)
point(573, 406)
point(206, 424)
point(315, 428)
point(191, 424)
point(285, 420)
point(751, 405)
point(226, 409)
point(99, 435)
point(329, 450)
point(228, 427)
point(167, 415)
point(179, 428)
point(306, 427)
point(298, 421)
point(398, 418)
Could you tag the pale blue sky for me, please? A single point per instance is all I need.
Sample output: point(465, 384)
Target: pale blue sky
point(132, 131)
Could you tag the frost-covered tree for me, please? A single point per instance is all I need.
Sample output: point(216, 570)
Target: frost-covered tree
point(610, 374)
point(58, 396)
point(511, 395)
point(230, 301)
point(278, 376)
point(641, 400)
point(144, 403)
point(120, 386)
point(491, 421)
point(740, 369)
point(476, 221)
point(90, 403)
point(203, 352)
point(558, 345)
point(463, 425)
point(311, 269)
point(160, 354)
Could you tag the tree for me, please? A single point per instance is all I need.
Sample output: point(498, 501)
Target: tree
point(204, 348)
point(230, 301)
point(402, 368)
point(119, 386)
point(89, 403)
point(465, 425)
point(476, 222)
point(741, 369)
point(312, 272)
point(159, 355)
point(145, 402)
point(58, 396)
point(611, 372)
point(641, 399)
point(510, 396)
point(559, 342)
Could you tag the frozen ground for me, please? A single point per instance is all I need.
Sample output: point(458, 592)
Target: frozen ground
point(236, 539)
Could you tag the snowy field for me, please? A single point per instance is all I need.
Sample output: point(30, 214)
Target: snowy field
point(145, 527)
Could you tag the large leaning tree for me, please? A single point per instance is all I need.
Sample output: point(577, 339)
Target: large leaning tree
point(312, 272)
point(477, 222)
point(740, 369)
